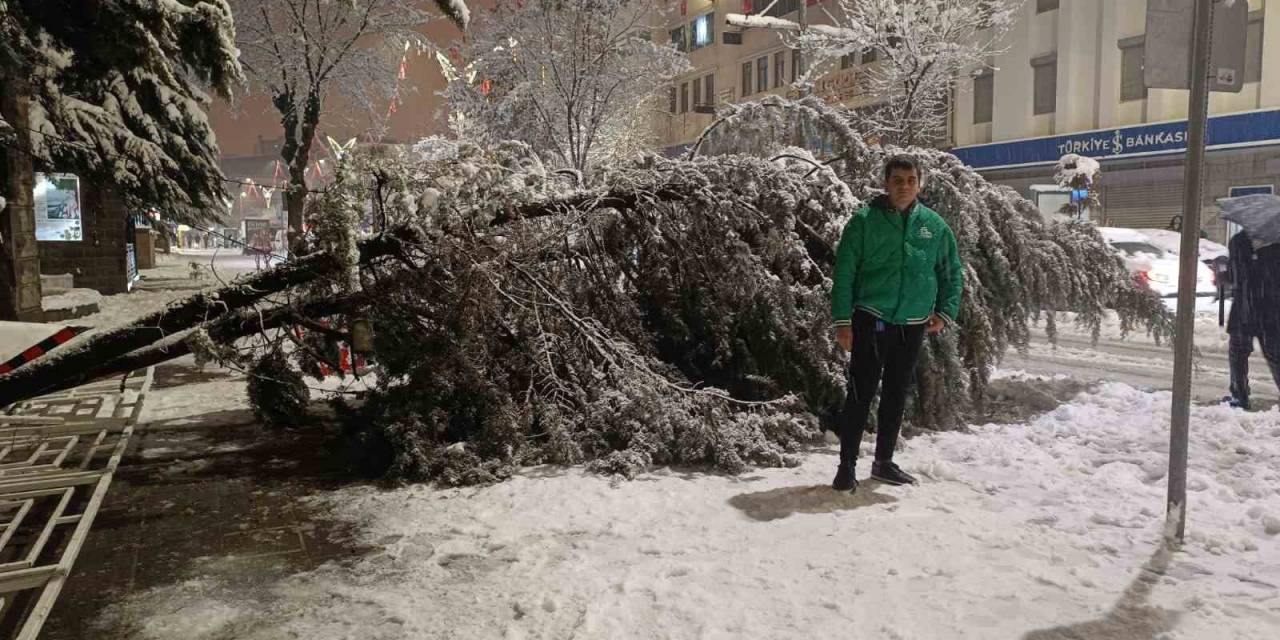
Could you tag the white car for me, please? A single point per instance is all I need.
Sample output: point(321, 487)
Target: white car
point(1154, 266)
point(1171, 241)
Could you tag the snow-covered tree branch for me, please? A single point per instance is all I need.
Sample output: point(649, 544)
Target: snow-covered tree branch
point(113, 90)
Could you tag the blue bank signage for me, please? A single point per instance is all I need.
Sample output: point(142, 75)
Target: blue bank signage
point(1236, 130)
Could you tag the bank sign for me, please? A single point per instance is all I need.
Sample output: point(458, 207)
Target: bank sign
point(1224, 132)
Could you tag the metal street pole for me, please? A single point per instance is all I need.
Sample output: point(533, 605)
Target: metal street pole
point(1180, 414)
point(804, 24)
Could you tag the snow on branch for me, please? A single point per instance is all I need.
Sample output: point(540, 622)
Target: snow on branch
point(136, 123)
point(455, 10)
point(781, 24)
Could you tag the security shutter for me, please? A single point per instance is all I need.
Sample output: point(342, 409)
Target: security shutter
point(1146, 206)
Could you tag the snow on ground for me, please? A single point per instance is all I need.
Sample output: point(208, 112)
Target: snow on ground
point(1048, 529)
point(115, 310)
point(1208, 335)
point(172, 273)
point(70, 299)
point(16, 337)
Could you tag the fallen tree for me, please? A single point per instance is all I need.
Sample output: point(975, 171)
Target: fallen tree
point(675, 313)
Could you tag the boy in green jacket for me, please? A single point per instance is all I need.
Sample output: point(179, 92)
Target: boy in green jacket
point(897, 275)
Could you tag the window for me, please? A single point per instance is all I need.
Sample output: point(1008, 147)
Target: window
point(1135, 249)
point(762, 73)
point(671, 93)
point(746, 79)
point(1046, 5)
point(709, 90)
point(1046, 85)
point(703, 30)
point(697, 91)
point(870, 55)
point(684, 97)
point(1132, 57)
point(779, 68)
point(1253, 50)
point(846, 61)
point(795, 65)
point(678, 39)
point(983, 97)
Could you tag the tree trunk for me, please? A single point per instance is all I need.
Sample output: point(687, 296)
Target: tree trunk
point(299, 131)
point(297, 193)
point(77, 366)
point(295, 202)
point(237, 325)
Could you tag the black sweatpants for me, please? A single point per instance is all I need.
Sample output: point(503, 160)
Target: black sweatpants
point(1239, 349)
point(881, 352)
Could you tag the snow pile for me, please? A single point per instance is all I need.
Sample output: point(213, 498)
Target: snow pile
point(70, 299)
point(1072, 167)
point(16, 337)
point(1049, 529)
point(1209, 337)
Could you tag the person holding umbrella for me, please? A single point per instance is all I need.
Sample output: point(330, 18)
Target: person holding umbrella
point(1254, 277)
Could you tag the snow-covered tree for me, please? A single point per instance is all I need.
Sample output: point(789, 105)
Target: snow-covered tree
point(677, 311)
point(304, 52)
point(575, 79)
point(1017, 266)
point(1079, 174)
point(920, 49)
point(112, 90)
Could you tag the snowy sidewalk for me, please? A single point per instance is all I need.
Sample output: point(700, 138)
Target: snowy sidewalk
point(58, 456)
point(200, 483)
point(1041, 530)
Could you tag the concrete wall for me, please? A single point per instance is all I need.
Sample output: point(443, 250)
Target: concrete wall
point(1085, 35)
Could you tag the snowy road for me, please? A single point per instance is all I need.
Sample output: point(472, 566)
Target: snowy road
point(1137, 362)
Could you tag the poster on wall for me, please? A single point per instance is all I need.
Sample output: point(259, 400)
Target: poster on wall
point(57, 203)
point(258, 235)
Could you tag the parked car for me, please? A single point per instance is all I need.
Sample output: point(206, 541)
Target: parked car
point(1171, 241)
point(1153, 265)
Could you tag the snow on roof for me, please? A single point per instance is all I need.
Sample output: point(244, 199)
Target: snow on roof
point(1118, 234)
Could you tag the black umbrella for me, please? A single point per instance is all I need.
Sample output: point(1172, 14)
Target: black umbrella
point(1258, 214)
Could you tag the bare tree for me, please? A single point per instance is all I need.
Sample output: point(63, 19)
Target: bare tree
point(572, 79)
point(916, 51)
point(302, 51)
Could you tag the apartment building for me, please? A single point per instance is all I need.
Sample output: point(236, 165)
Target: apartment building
point(1071, 81)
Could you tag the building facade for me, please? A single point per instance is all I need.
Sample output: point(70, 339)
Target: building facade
point(1071, 81)
point(731, 64)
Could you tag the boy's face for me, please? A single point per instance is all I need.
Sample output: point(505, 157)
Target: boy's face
point(903, 186)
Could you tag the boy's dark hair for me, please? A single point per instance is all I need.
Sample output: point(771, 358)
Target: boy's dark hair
point(902, 162)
